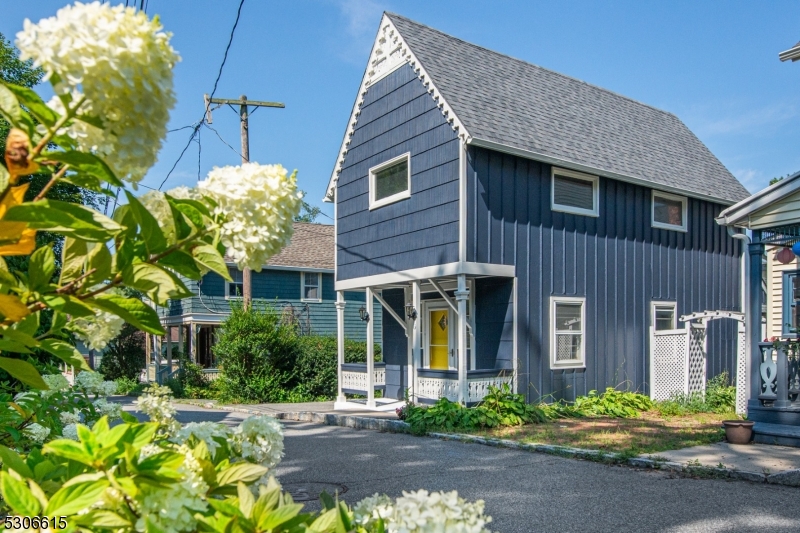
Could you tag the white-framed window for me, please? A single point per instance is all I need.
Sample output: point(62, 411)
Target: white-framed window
point(575, 192)
point(669, 211)
point(311, 286)
point(390, 181)
point(664, 315)
point(236, 285)
point(567, 323)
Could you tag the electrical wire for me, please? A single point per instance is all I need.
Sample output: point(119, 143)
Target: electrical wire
point(196, 126)
point(223, 140)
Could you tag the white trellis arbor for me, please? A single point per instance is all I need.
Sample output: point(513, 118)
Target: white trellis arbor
point(678, 357)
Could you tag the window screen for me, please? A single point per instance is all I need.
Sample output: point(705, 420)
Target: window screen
point(236, 286)
point(391, 180)
point(310, 286)
point(568, 329)
point(664, 317)
point(573, 192)
point(791, 299)
point(668, 210)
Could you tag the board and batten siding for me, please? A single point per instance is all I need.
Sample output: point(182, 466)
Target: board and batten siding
point(617, 261)
point(398, 116)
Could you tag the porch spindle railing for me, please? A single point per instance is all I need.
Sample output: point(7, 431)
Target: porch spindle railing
point(779, 374)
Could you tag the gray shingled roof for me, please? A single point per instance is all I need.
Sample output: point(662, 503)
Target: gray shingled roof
point(516, 104)
point(312, 246)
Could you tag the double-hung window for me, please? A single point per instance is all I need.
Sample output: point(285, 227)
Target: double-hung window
point(669, 211)
point(390, 181)
point(567, 343)
point(575, 192)
point(665, 315)
point(236, 285)
point(791, 303)
point(311, 290)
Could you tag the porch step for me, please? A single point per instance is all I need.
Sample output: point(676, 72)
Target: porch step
point(781, 434)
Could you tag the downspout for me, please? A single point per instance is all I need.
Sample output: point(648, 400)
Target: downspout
point(742, 236)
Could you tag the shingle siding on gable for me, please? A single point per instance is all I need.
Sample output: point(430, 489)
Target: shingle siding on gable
point(399, 116)
point(617, 261)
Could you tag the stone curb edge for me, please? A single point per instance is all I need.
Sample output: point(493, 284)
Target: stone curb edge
point(786, 477)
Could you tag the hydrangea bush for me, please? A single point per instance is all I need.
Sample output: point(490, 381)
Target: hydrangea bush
point(159, 476)
point(110, 68)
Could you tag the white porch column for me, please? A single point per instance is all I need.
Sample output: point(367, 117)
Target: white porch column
point(181, 344)
point(416, 341)
point(192, 342)
point(462, 297)
point(340, 303)
point(148, 357)
point(410, 326)
point(169, 348)
point(370, 352)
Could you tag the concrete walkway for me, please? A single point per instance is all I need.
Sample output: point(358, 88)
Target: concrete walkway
point(763, 458)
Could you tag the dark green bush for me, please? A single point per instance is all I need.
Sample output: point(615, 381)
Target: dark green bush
point(720, 397)
point(124, 356)
point(612, 403)
point(317, 356)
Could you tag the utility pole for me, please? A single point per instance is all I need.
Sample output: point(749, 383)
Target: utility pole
point(244, 105)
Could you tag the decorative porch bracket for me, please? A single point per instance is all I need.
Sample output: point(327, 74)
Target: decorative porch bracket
point(450, 302)
point(391, 312)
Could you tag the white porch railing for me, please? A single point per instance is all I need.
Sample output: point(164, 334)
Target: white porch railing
point(435, 384)
point(354, 377)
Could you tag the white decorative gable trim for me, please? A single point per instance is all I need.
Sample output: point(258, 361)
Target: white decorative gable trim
point(389, 52)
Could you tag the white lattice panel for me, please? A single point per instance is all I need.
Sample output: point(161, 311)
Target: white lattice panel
point(668, 368)
point(479, 387)
point(358, 380)
point(435, 388)
point(741, 372)
point(697, 359)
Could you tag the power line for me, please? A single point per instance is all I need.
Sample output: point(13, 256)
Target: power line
point(196, 126)
point(223, 140)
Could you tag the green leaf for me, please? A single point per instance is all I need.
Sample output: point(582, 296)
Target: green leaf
point(208, 256)
point(246, 499)
point(13, 461)
point(280, 515)
point(142, 434)
point(127, 417)
point(193, 215)
point(64, 351)
point(69, 449)
point(150, 230)
point(73, 258)
point(69, 500)
point(245, 472)
point(100, 260)
point(159, 284)
point(18, 496)
point(23, 371)
point(9, 106)
point(41, 267)
point(34, 103)
point(5, 178)
point(132, 310)
point(182, 263)
point(68, 305)
point(325, 522)
point(68, 219)
point(104, 519)
point(86, 163)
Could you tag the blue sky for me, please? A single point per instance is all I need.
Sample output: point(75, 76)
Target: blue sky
point(714, 64)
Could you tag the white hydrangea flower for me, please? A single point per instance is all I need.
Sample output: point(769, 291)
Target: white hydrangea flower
point(68, 417)
point(368, 510)
point(205, 431)
point(122, 62)
point(182, 192)
point(70, 431)
point(98, 330)
point(55, 383)
point(259, 439)
point(148, 450)
point(107, 388)
point(88, 381)
point(37, 432)
point(157, 404)
point(428, 512)
point(105, 408)
point(258, 204)
point(173, 509)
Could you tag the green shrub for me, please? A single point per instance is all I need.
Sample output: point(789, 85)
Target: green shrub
point(720, 397)
point(124, 357)
point(720, 394)
point(129, 386)
point(317, 357)
point(612, 403)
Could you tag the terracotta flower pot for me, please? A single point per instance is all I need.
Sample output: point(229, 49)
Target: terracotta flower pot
point(738, 431)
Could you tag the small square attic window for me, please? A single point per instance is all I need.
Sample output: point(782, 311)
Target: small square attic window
point(390, 181)
point(669, 211)
point(575, 192)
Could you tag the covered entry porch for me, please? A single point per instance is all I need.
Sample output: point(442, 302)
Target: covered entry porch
point(445, 335)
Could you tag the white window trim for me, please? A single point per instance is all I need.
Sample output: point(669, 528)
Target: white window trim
point(576, 363)
point(684, 211)
point(303, 287)
point(228, 287)
point(664, 303)
point(595, 180)
point(402, 195)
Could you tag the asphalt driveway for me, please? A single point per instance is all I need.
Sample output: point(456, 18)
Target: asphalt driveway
point(524, 492)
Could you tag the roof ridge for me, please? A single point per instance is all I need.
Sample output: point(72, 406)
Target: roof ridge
point(614, 93)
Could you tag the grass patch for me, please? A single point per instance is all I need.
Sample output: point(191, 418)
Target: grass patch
point(650, 432)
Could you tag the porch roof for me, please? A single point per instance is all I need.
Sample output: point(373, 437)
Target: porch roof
point(775, 209)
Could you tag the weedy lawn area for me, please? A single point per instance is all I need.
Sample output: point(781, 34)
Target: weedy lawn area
point(650, 432)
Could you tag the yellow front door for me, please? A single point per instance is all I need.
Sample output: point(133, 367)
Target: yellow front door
point(439, 338)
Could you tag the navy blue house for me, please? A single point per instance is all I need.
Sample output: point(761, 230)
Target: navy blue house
point(518, 225)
